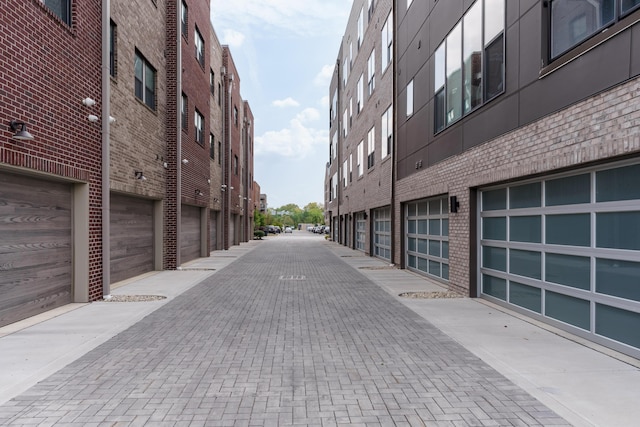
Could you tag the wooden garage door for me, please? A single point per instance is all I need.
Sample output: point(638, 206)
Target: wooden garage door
point(190, 233)
point(213, 230)
point(131, 237)
point(35, 246)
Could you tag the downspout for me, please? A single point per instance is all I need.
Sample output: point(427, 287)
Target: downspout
point(178, 134)
point(338, 149)
point(230, 238)
point(106, 151)
point(393, 141)
point(223, 162)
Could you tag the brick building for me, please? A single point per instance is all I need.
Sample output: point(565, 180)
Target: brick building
point(517, 147)
point(359, 170)
point(144, 169)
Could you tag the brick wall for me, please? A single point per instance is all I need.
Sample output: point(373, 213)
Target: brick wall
point(215, 123)
point(47, 68)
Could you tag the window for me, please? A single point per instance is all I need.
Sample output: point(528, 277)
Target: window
point(184, 109)
point(469, 63)
point(212, 147)
point(62, 8)
point(350, 167)
point(334, 186)
point(371, 147)
point(334, 106)
point(145, 81)
point(371, 68)
point(360, 158)
point(387, 42)
point(235, 115)
point(219, 94)
point(235, 164)
point(212, 84)
point(219, 152)
point(184, 20)
point(344, 174)
point(387, 132)
point(345, 71)
point(344, 122)
point(409, 3)
point(113, 32)
point(574, 21)
point(410, 99)
point(371, 4)
point(360, 29)
point(360, 99)
point(199, 126)
point(199, 48)
point(334, 147)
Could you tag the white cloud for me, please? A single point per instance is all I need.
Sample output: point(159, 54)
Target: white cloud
point(309, 17)
point(323, 78)
point(324, 102)
point(232, 38)
point(295, 141)
point(288, 102)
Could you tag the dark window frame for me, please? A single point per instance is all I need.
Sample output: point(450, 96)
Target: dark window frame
point(113, 49)
point(64, 13)
point(184, 112)
point(199, 131)
point(184, 20)
point(199, 54)
point(141, 88)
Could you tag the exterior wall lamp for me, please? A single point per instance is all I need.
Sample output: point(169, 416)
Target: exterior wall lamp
point(140, 175)
point(454, 204)
point(22, 134)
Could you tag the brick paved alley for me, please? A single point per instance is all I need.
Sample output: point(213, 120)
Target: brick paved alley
point(288, 334)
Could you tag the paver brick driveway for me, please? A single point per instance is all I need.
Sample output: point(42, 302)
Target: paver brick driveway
point(288, 334)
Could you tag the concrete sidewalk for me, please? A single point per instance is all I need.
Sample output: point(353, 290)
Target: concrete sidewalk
point(585, 384)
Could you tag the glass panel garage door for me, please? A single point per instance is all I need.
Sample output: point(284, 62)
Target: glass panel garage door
point(427, 225)
point(382, 233)
point(567, 250)
point(361, 231)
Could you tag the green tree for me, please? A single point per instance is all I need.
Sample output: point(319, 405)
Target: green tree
point(313, 214)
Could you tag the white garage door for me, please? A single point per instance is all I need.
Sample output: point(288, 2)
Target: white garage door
point(35, 246)
point(131, 237)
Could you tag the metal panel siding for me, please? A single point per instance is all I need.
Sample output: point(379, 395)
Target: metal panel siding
point(131, 237)
point(35, 246)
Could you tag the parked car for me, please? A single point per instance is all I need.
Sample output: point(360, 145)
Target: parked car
point(288, 230)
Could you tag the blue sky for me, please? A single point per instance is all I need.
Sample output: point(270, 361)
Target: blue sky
point(285, 52)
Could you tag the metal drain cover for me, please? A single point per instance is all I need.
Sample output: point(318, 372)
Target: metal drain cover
point(293, 277)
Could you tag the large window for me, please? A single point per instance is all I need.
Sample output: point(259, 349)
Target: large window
point(371, 147)
point(387, 132)
point(113, 34)
point(371, 71)
point(184, 109)
point(62, 8)
point(199, 48)
point(145, 81)
point(469, 63)
point(360, 158)
point(360, 29)
point(360, 99)
point(199, 127)
point(344, 173)
point(574, 21)
point(410, 99)
point(212, 147)
point(387, 42)
point(184, 20)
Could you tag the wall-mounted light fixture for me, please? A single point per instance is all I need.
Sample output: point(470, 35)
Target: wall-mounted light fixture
point(208, 181)
point(185, 161)
point(89, 102)
point(199, 193)
point(112, 119)
point(165, 164)
point(365, 215)
point(140, 175)
point(22, 134)
point(454, 204)
point(92, 118)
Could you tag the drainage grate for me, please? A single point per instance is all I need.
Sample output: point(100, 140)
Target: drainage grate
point(196, 269)
point(293, 277)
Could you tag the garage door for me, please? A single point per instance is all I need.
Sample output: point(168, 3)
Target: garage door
point(566, 250)
point(131, 237)
point(213, 230)
point(427, 225)
point(382, 233)
point(35, 246)
point(190, 233)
